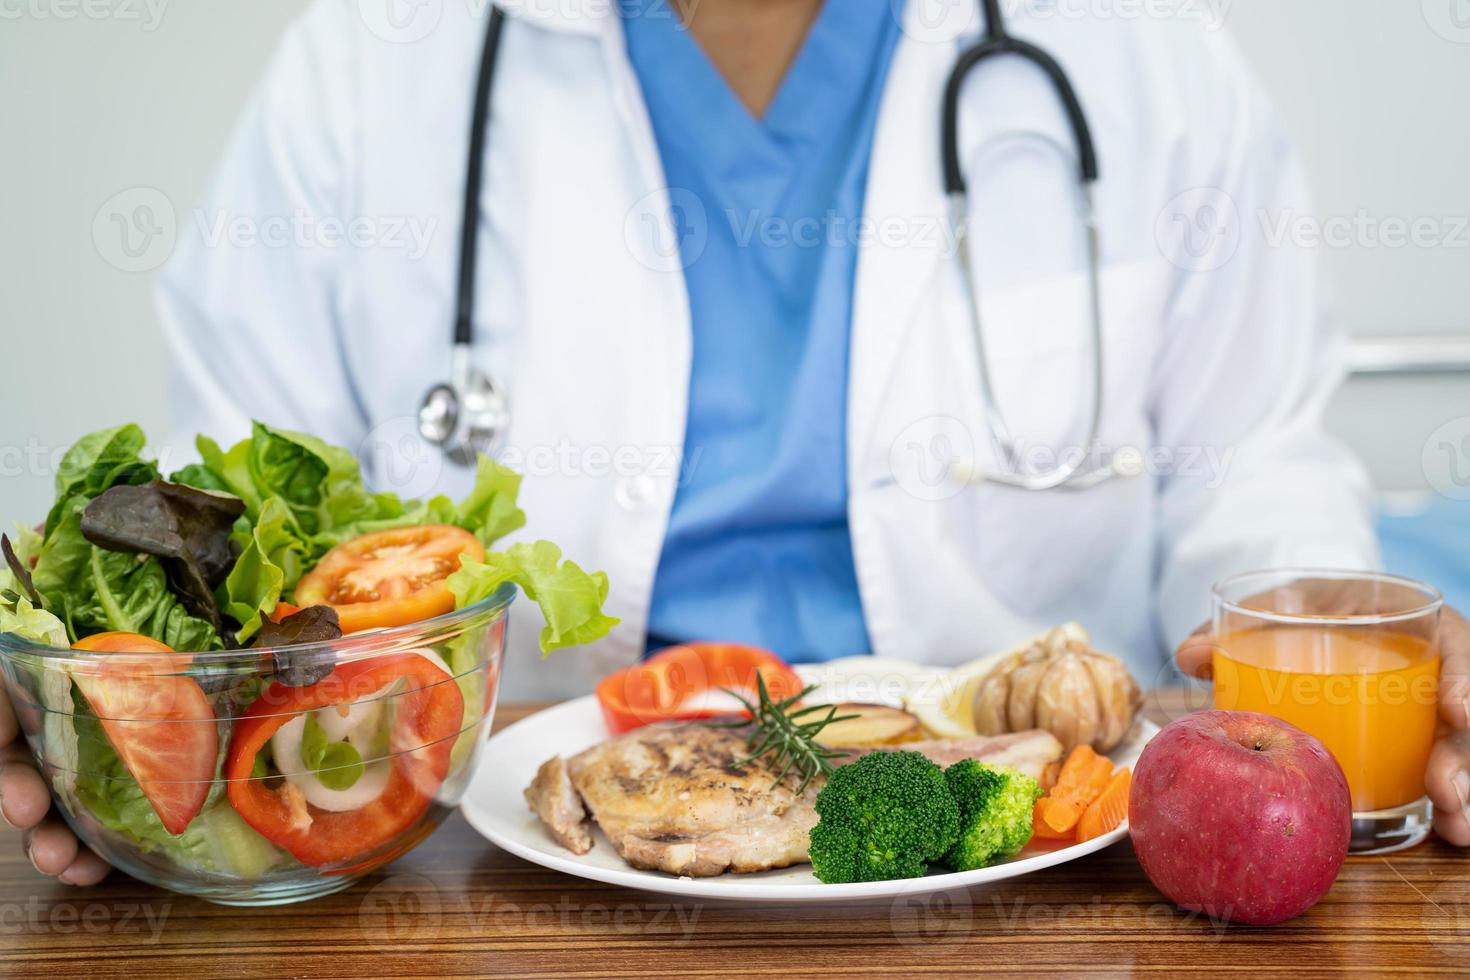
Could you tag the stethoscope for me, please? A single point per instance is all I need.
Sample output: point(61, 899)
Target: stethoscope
point(470, 413)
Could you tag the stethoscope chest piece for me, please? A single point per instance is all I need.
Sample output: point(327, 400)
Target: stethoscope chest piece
point(466, 417)
point(439, 414)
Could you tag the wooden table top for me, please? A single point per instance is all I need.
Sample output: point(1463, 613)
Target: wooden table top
point(459, 906)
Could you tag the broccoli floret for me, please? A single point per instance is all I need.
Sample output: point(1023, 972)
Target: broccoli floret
point(887, 815)
point(995, 804)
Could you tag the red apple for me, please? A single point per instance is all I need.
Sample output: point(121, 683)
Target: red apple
point(1240, 816)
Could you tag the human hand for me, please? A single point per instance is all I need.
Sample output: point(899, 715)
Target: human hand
point(25, 804)
point(1447, 778)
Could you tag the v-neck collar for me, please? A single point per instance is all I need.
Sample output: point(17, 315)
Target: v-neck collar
point(835, 65)
point(825, 86)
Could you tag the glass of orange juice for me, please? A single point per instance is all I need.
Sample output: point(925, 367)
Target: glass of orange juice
point(1352, 658)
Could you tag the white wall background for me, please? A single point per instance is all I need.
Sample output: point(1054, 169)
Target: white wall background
point(108, 95)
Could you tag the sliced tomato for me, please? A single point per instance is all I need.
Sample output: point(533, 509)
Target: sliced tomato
point(426, 716)
point(389, 578)
point(162, 727)
point(658, 688)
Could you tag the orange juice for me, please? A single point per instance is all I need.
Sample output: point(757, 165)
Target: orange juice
point(1368, 694)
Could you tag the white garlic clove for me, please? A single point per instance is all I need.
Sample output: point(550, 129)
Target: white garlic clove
point(1021, 703)
point(990, 715)
point(1067, 703)
point(1117, 696)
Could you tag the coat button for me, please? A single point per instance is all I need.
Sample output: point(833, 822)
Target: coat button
point(635, 493)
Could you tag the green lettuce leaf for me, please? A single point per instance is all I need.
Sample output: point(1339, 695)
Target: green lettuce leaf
point(93, 590)
point(322, 487)
point(20, 618)
point(321, 484)
point(50, 688)
point(64, 553)
point(570, 599)
point(490, 511)
point(130, 593)
point(65, 570)
point(230, 470)
point(302, 498)
point(200, 477)
point(271, 562)
point(97, 461)
point(392, 513)
point(94, 463)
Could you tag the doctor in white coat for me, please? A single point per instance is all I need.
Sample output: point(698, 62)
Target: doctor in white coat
point(717, 277)
point(1218, 348)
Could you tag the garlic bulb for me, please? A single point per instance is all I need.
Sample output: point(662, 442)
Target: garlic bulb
point(1060, 684)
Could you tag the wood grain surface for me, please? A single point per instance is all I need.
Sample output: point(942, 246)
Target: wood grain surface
point(459, 906)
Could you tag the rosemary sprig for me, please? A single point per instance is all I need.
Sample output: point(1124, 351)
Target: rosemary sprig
point(781, 738)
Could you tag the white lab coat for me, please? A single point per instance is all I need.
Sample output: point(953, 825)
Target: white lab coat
point(1227, 349)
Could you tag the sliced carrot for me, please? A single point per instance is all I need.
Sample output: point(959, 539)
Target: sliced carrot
point(1097, 778)
point(1107, 811)
point(1080, 781)
point(1062, 815)
point(1083, 776)
point(1074, 770)
point(1040, 829)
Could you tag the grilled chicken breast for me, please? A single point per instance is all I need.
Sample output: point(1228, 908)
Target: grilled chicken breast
point(671, 798)
point(559, 806)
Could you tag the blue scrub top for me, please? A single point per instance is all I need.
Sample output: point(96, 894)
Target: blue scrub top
point(757, 549)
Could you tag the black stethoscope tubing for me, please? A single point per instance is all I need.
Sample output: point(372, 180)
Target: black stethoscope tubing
point(448, 409)
point(997, 41)
point(464, 316)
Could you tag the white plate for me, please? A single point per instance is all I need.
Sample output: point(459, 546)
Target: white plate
point(494, 806)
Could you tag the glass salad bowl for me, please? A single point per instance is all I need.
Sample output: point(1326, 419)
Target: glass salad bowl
point(212, 775)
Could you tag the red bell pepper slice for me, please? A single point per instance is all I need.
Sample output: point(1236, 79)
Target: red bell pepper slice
point(658, 688)
point(427, 716)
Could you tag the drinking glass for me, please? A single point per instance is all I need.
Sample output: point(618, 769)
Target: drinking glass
point(1352, 658)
